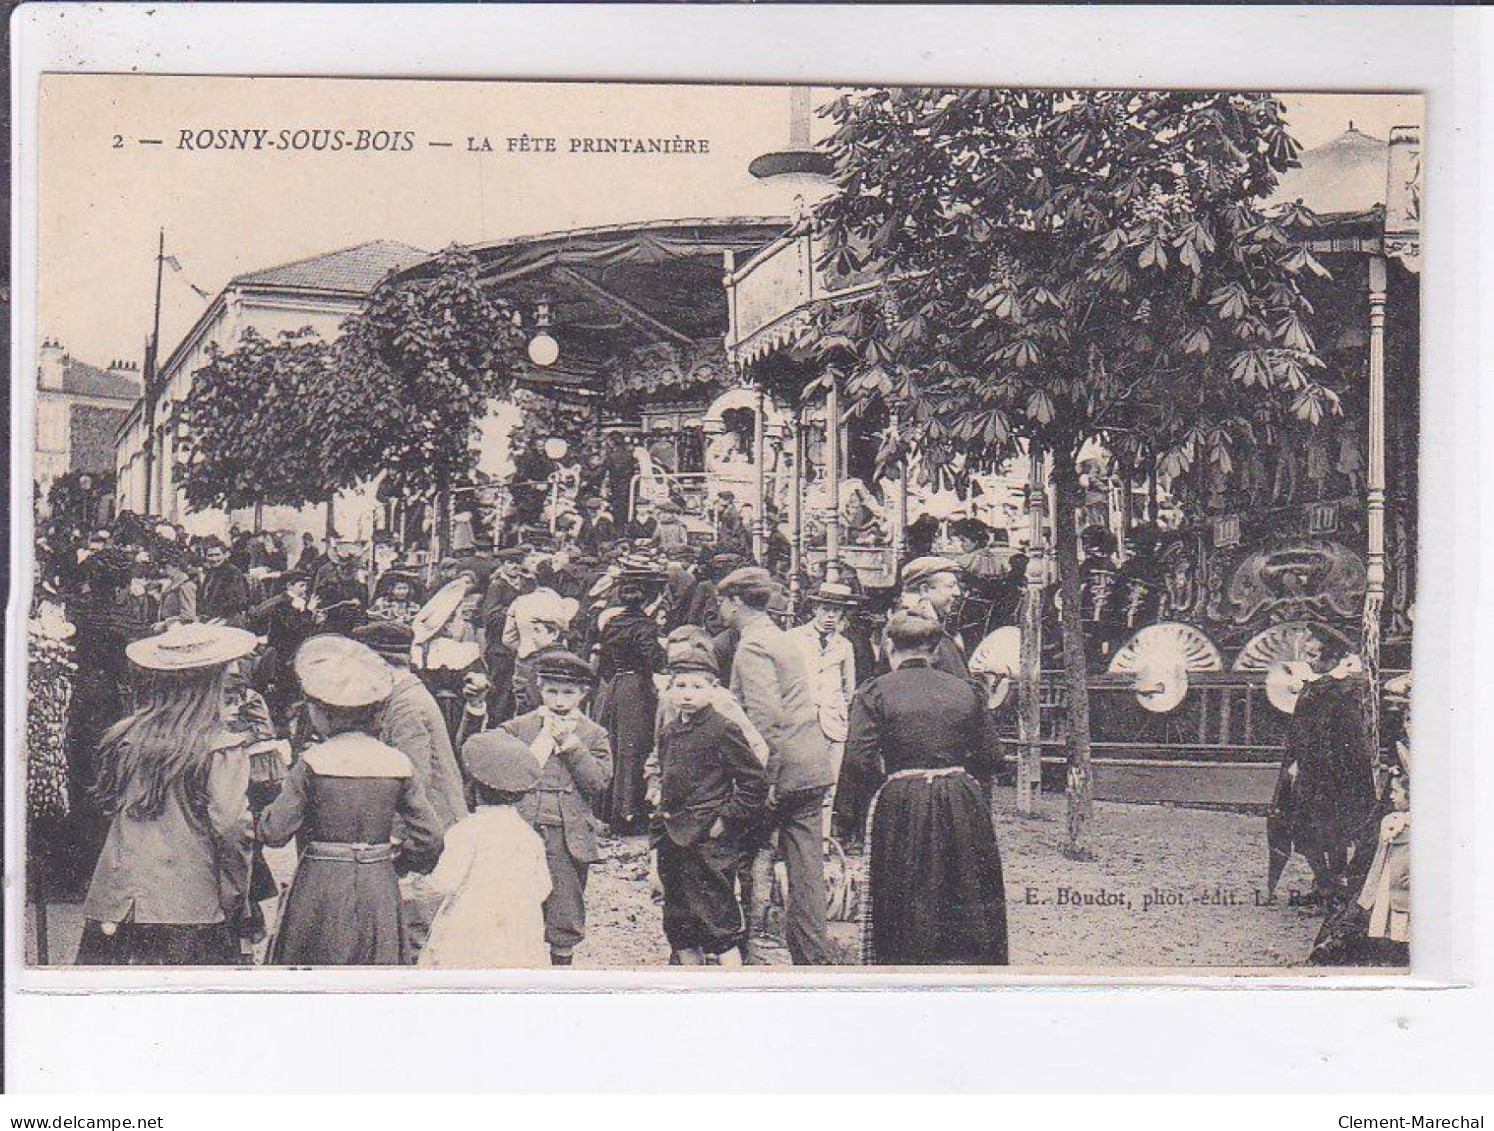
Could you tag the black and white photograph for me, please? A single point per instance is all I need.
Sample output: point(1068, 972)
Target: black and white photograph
point(489, 525)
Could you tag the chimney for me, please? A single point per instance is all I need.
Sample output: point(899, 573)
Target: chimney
point(125, 371)
point(49, 364)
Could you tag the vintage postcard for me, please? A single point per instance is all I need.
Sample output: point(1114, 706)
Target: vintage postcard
point(491, 525)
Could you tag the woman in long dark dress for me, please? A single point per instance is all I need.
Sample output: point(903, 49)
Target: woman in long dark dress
point(921, 738)
point(629, 655)
point(171, 886)
point(342, 796)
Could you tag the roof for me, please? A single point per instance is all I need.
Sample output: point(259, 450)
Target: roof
point(729, 232)
point(90, 381)
point(352, 270)
point(1347, 174)
point(616, 288)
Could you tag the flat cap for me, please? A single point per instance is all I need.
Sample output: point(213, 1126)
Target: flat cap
point(557, 663)
point(745, 580)
point(496, 761)
point(387, 638)
point(921, 569)
point(692, 655)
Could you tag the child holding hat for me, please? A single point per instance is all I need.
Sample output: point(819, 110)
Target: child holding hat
point(493, 871)
point(709, 788)
point(575, 770)
point(343, 796)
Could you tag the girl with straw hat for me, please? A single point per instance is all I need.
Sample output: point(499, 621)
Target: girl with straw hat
point(171, 886)
point(349, 796)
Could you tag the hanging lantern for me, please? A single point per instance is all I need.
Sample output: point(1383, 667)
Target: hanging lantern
point(544, 350)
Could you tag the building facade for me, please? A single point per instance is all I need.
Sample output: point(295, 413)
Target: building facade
point(318, 293)
point(79, 408)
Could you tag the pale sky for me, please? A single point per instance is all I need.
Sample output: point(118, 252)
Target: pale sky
point(227, 213)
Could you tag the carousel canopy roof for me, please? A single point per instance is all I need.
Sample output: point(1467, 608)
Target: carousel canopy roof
point(614, 289)
point(620, 294)
point(1346, 174)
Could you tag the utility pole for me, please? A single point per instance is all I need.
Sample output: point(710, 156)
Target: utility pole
point(148, 409)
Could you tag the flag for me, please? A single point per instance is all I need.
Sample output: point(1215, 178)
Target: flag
point(176, 265)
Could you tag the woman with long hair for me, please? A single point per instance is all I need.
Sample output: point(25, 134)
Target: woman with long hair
point(172, 883)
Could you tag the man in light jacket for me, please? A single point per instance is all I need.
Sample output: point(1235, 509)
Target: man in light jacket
point(831, 660)
point(771, 680)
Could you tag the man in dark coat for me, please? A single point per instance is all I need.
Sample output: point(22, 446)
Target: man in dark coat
point(311, 558)
point(507, 583)
point(341, 599)
point(286, 619)
point(1333, 796)
point(621, 466)
point(224, 592)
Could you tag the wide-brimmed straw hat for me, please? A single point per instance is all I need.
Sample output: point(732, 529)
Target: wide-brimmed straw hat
point(835, 593)
point(436, 613)
point(340, 672)
point(183, 647)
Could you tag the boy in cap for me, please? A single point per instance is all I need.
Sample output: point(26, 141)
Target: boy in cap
point(493, 872)
point(709, 789)
point(576, 770)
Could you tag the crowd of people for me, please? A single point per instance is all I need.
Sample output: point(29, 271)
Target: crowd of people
point(443, 744)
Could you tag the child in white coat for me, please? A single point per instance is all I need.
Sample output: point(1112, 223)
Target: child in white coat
point(492, 872)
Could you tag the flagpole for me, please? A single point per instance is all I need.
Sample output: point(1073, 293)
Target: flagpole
point(152, 354)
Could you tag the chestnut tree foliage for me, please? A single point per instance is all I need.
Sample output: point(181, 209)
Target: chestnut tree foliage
point(1060, 266)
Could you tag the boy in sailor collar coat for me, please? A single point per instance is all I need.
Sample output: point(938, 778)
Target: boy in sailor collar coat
point(577, 771)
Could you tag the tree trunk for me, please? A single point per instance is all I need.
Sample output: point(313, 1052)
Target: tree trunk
point(1076, 682)
point(331, 528)
point(259, 518)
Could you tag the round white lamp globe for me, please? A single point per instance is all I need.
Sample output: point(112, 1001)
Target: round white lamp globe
point(543, 349)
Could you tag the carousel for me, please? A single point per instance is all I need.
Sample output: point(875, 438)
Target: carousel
point(1206, 626)
point(625, 327)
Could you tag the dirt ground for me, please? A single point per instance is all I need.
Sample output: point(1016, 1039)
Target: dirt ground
point(1168, 887)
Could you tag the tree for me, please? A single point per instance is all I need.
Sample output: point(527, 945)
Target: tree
point(411, 376)
point(1060, 266)
point(248, 436)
